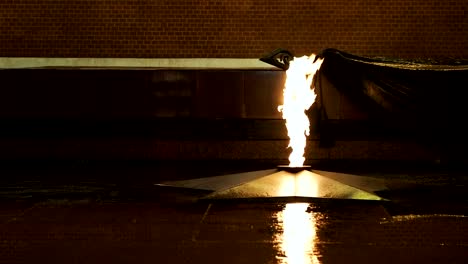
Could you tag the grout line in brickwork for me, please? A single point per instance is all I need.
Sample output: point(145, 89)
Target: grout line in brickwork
point(196, 232)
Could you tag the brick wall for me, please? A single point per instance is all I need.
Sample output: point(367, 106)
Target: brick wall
point(225, 28)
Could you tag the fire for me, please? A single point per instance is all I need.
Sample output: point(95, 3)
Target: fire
point(298, 97)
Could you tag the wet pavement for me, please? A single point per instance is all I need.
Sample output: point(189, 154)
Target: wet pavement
point(83, 213)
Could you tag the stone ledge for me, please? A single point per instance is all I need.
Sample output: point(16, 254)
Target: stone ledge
point(152, 149)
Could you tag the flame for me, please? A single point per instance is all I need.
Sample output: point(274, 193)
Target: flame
point(298, 97)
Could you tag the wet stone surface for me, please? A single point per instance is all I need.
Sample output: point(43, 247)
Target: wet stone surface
point(124, 220)
point(244, 232)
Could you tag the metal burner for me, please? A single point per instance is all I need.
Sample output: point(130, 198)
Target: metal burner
point(293, 169)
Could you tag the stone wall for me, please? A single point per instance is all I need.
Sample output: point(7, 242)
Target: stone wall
point(104, 114)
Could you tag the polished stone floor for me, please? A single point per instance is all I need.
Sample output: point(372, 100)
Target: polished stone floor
point(82, 212)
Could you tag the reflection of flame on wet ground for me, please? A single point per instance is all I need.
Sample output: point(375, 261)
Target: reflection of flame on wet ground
point(297, 239)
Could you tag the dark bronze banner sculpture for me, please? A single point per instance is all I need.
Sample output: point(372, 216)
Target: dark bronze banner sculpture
point(420, 97)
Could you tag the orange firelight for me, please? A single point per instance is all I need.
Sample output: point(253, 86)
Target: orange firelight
point(299, 95)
